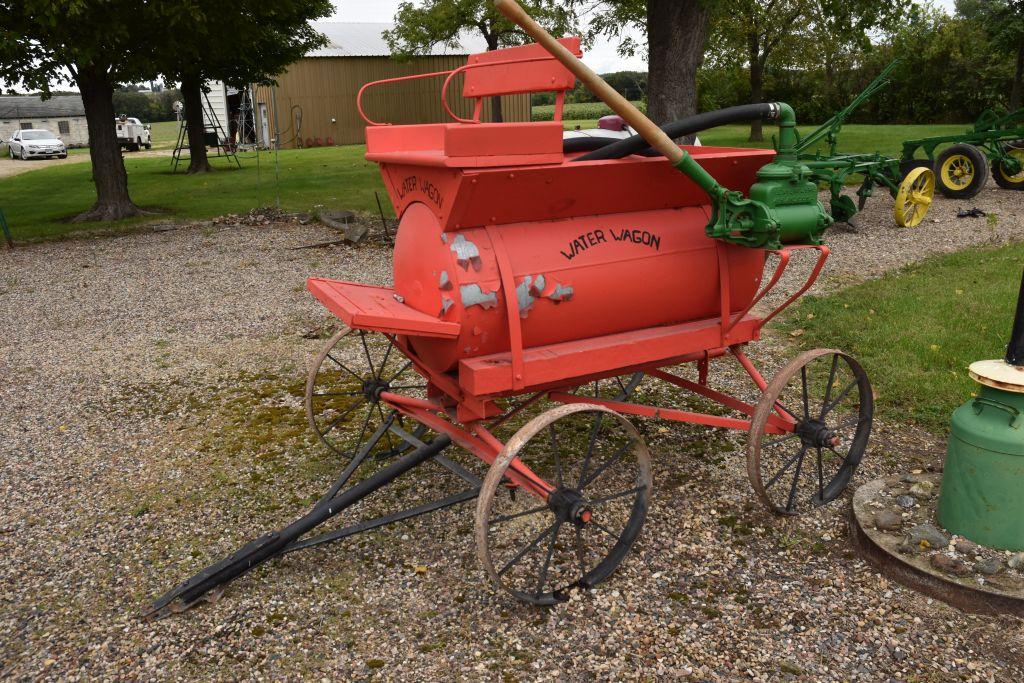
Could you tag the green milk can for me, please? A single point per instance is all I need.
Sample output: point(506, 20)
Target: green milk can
point(982, 494)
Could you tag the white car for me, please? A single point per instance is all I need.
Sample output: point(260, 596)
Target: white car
point(34, 143)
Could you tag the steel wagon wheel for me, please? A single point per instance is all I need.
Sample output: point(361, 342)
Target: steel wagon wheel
point(343, 389)
point(829, 396)
point(599, 469)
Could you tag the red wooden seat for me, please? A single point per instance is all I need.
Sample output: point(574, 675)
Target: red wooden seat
point(363, 307)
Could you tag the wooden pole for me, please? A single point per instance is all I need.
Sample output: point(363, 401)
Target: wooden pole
point(650, 132)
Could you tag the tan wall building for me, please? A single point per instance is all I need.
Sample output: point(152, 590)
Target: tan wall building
point(316, 96)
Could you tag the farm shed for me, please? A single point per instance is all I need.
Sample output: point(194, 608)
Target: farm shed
point(316, 96)
point(63, 115)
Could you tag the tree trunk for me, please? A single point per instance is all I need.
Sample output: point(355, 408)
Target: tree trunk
point(676, 31)
point(1018, 75)
point(192, 96)
point(756, 89)
point(108, 174)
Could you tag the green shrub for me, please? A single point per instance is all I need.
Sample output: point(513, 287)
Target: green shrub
point(582, 111)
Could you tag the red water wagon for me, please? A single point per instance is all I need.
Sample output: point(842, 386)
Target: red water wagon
point(525, 278)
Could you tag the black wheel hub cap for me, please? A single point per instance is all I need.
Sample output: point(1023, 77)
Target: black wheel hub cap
point(569, 506)
point(373, 387)
point(815, 433)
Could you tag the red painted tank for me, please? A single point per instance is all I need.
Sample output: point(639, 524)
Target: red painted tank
point(505, 235)
point(579, 270)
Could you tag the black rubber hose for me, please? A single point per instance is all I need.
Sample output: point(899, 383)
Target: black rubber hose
point(682, 127)
point(590, 143)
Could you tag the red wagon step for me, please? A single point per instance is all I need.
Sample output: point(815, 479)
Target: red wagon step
point(364, 307)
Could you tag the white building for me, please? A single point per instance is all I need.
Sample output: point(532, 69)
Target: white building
point(63, 115)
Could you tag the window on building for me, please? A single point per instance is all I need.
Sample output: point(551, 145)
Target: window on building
point(26, 126)
point(64, 127)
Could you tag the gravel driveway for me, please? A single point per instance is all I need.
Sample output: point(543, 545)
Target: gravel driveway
point(150, 389)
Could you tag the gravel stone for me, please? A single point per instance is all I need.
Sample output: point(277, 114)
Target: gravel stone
point(927, 534)
point(906, 502)
point(951, 565)
point(990, 566)
point(888, 520)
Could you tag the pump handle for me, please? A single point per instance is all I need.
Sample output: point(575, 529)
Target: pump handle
point(646, 128)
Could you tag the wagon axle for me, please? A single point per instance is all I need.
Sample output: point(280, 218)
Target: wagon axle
point(815, 433)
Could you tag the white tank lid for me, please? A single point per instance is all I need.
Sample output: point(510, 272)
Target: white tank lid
point(999, 374)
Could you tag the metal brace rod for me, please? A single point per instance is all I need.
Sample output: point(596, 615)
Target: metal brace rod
point(369, 524)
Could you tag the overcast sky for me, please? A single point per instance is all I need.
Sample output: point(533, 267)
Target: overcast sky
point(602, 57)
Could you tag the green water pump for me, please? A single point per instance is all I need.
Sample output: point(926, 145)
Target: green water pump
point(982, 496)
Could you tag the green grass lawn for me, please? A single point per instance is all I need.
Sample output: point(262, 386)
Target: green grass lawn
point(337, 178)
point(332, 177)
point(916, 330)
point(164, 134)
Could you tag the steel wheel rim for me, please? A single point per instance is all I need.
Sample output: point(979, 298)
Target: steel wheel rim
point(798, 461)
point(914, 197)
point(533, 567)
point(1017, 154)
point(335, 394)
point(957, 171)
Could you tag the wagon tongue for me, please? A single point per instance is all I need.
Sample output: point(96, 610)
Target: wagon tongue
point(209, 583)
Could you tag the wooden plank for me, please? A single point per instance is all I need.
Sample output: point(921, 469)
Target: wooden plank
point(492, 374)
point(364, 307)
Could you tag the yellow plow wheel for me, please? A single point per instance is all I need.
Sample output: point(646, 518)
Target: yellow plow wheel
point(914, 197)
point(957, 171)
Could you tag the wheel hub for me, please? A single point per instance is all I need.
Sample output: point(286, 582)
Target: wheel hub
point(569, 506)
point(816, 434)
point(373, 387)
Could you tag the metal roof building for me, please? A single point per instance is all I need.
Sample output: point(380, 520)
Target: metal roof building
point(316, 96)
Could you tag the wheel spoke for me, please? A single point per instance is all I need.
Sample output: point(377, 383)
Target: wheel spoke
point(614, 496)
point(366, 423)
point(831, 381)
point(547, 561)
point(348, 394)
point(344, 367)
point(533, 544)
point(366, 349)
point(821, 485)
point(615, 457)
point(581, 552)
point(387, 434)
point(554, 449)
point(384, 362)
point(839, 398)
point(602, 527)
point(342, 417)
point(778, 475)
point(505, 518)
point(598, 419)
point(400, 371)
point(803, 383)
point(796, 480)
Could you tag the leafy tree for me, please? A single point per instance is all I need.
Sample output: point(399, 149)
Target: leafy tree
point(757, 31)
point(95, 44)
point(1003, 21)
point(421, 27)
point(263, 39)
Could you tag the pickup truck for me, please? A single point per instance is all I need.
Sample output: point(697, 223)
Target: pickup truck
point(132, 133)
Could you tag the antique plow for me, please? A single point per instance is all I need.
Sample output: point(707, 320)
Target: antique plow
point(995, 141)
point(526, 277)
